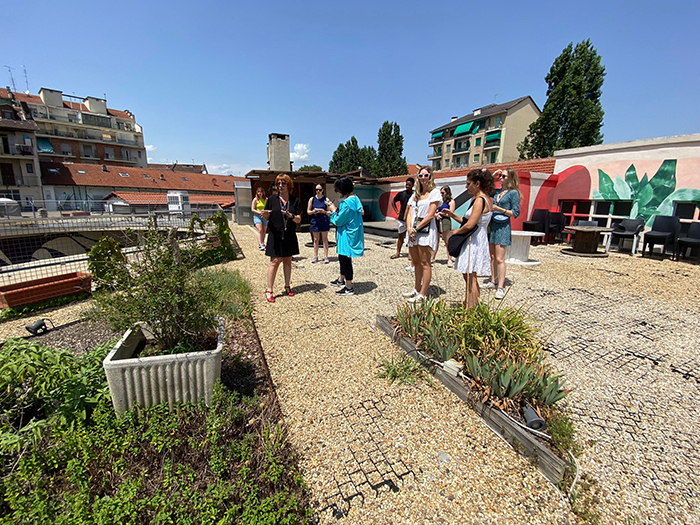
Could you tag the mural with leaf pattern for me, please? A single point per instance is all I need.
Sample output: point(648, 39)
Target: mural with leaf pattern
point(650, 196)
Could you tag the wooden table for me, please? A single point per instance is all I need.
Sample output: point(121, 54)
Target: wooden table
point(586, 241)
point(519, 250)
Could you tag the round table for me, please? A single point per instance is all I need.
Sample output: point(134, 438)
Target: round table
point(586, 241)
point(519, 250)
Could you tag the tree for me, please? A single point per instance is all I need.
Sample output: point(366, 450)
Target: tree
point(573, 115)
point(310, 167)
point(350, 157)
point(390, 160)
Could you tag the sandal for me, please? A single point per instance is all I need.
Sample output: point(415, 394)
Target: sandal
point(394, 256)
point(269, 295)
point(288, 291)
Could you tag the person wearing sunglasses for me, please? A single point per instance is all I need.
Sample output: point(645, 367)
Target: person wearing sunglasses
point(506, 206)
point(320, 224)
point(422, 231)
point(283, 213)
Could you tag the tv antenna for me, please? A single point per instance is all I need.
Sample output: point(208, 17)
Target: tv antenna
point(495, 97)
point(12, 78)
point(26, 79)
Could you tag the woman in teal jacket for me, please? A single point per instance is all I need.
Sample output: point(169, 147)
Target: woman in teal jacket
point(350, 233)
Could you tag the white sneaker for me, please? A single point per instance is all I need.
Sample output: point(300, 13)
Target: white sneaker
point(412, 293)
point(261, 247)
point(416, 298)
point(500, 293)
point(410, 268)
point(488, 286)
point(450, 264)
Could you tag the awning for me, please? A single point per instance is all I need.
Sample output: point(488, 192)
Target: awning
point(477, 124)
point(463, 128)
point(44, 145)
point(437, 134)
point(496, 135)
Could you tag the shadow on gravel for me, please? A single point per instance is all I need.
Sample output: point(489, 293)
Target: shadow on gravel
point(363, 287)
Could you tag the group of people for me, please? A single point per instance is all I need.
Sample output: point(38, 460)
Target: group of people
point(427, 211)
point(279, 214)
point(424, 214)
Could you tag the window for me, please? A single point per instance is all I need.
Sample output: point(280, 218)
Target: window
point(447, 148)
point(7, 115)
point(493, 156)
point(184, 178)
point(139, 154)
point(458, 162)
point(109, 152)
point(122, 174)
point(145, 176)
point(437, 164)
point(81, 172)
point(498, 122)
point(476, 158)
point(126, 154)
point(478, 142)
point(575, 210)
point(447, 162)
point(66, 149)
point(30, 167)
point(88, 150)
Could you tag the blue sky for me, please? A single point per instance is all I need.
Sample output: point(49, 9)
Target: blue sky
point(210, 80)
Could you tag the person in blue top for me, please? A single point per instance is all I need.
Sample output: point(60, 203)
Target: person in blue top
point(350, 233)
point(506, 205)
point(319, 224)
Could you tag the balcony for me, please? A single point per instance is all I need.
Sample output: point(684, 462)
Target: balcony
point(461, 150)
point(492, 144)
point(128, 142)
point(434, 156)
point(17, 149)
point(437, 140)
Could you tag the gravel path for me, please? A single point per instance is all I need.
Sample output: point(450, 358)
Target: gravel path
point(371, 452)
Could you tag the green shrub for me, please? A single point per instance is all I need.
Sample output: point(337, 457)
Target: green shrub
point(107, 264)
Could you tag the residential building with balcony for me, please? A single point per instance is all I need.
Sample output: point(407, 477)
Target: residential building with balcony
point(75, 129)
point(19, 163)
point(488, 135)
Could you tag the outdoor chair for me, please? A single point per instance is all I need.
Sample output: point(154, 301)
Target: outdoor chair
point(692, 241)
point(664, 231)
point(627, 229)
point(555, 226)
point(539, 222)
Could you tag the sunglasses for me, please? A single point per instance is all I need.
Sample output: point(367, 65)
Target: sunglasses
point(424, 175)
point(319, 189)
point(282, 183)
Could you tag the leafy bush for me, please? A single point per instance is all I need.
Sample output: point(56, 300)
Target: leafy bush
point(107, 264)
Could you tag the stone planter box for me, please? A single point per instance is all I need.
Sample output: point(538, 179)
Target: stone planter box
point(40, 290)
point(552, 466)
point(147, 381)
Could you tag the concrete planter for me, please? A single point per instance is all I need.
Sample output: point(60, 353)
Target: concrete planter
point(552, 466)
point(40, 290)
point(160, 379)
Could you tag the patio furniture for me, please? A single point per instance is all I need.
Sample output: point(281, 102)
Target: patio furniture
point(577, 222)
point(539, 222)
point(691, 241)
point(555, 226)
point(627, 229)
point(519, 250)
point(586, 241)
point(664, 231)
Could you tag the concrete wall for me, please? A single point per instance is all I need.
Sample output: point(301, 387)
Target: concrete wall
point(515, 129)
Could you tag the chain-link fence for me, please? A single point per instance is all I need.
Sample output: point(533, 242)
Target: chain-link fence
point(37, 252)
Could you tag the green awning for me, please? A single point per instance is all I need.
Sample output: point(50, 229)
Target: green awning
point(44, 145)
point(496, 135)
point(463, 128)
point(477, 124)
point(438, 134)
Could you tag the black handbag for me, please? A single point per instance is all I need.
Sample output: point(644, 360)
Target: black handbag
point(423, 229)
point(455, 242)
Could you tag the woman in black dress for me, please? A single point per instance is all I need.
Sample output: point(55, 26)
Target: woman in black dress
point(283, 213)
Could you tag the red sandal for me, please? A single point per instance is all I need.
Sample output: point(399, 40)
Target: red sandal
point(288, 291)
point(269, 296)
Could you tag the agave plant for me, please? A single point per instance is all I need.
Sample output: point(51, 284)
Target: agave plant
point(650, 197)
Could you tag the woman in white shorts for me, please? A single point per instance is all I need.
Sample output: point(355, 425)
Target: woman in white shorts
point(422, 231)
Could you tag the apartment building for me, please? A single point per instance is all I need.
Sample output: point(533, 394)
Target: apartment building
point(19, 164)
point(76, 129)
point(488, 135)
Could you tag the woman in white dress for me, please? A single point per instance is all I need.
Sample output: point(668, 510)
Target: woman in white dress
point(474, 258)
point(422, 231)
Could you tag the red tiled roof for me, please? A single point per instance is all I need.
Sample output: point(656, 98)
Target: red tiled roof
point(66, 174)
point(225, 201)
point(412, 169)
point(189, 168)
point(535, 165)
point(36, 99)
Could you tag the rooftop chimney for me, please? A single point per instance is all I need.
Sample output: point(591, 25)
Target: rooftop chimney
point(453, 119)
point(104, 167)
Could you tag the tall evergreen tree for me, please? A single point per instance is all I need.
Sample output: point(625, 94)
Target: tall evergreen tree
point(573, 115)
point(310, 167)
point(390, 160)
point(349, 157)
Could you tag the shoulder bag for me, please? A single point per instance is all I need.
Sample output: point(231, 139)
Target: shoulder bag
point(455, 242)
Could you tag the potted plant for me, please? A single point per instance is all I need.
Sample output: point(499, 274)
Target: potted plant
point(172, 345)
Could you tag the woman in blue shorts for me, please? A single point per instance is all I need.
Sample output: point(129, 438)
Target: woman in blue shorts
point(320, 222)
point(506, 205)
point(257, 207)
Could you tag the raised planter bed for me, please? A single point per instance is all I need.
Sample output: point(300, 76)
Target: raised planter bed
point(146, 381)
point(551, 465)
point(40, 290)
